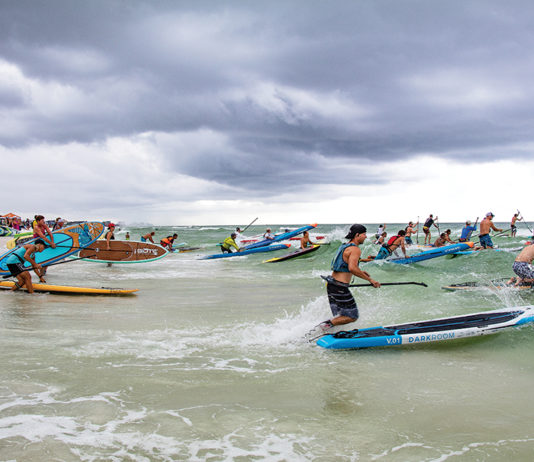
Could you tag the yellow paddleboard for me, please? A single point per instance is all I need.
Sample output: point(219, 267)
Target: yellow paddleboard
point(70, 290)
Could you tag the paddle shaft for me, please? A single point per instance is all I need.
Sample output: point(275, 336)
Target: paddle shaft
point(52, 264)
point(390, 284)
point(523, 220)
point(250, 224)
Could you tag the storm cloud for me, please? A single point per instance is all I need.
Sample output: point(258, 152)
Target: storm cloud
point(265, 98)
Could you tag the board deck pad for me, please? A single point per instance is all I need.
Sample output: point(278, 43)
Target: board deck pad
point(122, 252)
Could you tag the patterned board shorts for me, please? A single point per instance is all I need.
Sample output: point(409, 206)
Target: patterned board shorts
point(341, 301)
point(523, 270)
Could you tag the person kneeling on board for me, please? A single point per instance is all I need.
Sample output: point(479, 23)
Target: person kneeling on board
point(344, 265)
point(167, 242)
point(230, 242)
point(305, 240)
point(15, 264)
point(523, 266)
point(393, 244)
point(148, 237)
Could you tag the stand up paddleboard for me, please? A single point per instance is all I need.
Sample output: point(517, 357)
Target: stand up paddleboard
point(280, 237)
point(296, 254)
point(20, 239)
point(68, 241)
point(496, 284)
point(5, 231)
point(435, 330)
point(122, 252)
point(70, 290)
point(432, 253)
point(269, 248)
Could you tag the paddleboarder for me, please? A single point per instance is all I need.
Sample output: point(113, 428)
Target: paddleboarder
point(467, 230)
point(110, 236)
point(230, 242)
point(523, 266)
point(485, 226)
point(345, 265)
point(512, 224)
point(268, 234)
point(393, 244)
point(15, 264)
point(40, 228)
point(430, 221)
point(409, 231)
point(305, 240)
point(148, 237)
point(168, 242)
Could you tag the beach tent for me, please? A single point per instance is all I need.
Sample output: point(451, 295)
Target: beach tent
point(10, 215)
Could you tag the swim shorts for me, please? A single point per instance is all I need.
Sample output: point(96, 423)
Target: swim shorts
point(143, 239)
point(408, 240)
point(485, 241)
point(383, 253)
point(341, 301)
point(523, 270)
point(15, 268)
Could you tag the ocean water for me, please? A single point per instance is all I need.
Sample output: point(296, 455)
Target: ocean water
point(208, 363)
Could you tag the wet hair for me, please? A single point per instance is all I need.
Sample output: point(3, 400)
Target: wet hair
point(233, 235)
point(39, 241)
point(175, 235)
point(38, 217)
point(401, 232)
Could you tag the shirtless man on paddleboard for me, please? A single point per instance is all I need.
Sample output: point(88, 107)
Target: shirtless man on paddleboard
point(485, 226)
point(523, 265)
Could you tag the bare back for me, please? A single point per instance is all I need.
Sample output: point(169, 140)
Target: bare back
point(526, 255)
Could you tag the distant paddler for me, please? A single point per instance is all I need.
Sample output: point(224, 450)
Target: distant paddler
point(228, 243)
point(523, 266)
point(40, 229)
point(513, 227)
point(268, 234)
point(485, 226)
point(15, 263)
point(409, 231)
point(344, 265)
point(430, 221)
point(148, 237)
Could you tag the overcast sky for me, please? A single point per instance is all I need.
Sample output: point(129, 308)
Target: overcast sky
point(200, 112)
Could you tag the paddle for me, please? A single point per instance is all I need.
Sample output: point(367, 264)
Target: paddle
point(52, 264)
point(470, 232)
point(390, 284)
point(246, 227)
point(523, 220)
point(417, 229)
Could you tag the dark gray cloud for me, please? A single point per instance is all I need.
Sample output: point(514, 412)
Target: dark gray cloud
point(293, 91)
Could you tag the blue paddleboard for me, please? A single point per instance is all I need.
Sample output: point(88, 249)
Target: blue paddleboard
point(432, 253)
point(280, 237)
point(68, 240)
point(268, 248)
point(435, 330)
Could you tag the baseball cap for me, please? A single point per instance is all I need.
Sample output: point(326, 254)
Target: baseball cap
point(490, 214)
point(355, 229)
